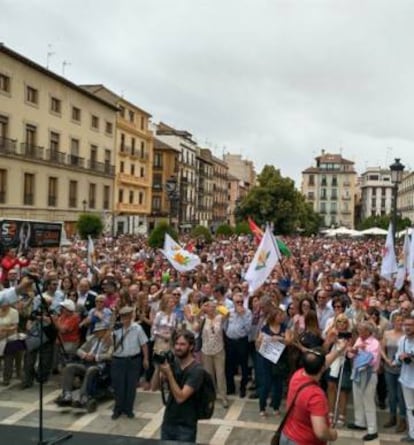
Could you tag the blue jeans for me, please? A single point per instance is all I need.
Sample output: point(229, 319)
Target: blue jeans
point(395, 395)
point(180, 433)
point(268, 383)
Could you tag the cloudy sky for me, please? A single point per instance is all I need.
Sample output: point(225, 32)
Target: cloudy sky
point(274, 80)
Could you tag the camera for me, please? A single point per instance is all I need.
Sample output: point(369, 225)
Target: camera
point(162, 357)
point(407, 360)
point(345, 335)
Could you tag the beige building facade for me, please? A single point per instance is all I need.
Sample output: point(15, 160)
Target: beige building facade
point(330, 187)
point(57, 145)
point(204, 213)
point(220, 192)
point(133, 163)
point(243, 169)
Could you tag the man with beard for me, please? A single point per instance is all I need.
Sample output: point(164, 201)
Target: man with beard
point(184, 378)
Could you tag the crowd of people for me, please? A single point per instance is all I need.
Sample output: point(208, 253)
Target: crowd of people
point(121, 314)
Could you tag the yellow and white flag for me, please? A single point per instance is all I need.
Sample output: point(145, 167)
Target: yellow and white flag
point(265, 259)
point(179, 258)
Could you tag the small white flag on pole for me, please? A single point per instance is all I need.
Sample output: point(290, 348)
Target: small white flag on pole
point(265, 259)
point(404, 263)
point(389, 262)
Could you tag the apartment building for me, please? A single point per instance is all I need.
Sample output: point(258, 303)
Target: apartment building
point(164, 205)
point(57, 144)
point(405, 196)
point(376, 192)
point(330, 187)
point(220, 192)
point(133, 163)
point(183, 141)
point(243, 169)
point(236, 192)
point(205, 163)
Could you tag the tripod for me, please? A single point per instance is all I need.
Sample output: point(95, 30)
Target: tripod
point(41, 334)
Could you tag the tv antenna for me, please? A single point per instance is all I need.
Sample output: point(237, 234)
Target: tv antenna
point(64, 65)
point(50, 53)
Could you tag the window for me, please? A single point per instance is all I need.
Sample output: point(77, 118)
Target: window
point(3, 185)
point(4, 83)
point(32, 95)
point(121, 196)
point(52, 192)
point(4, 126)
point(55, 105)
point(106, 194)
point(122, 111)
point(142, 172)
point(122, 146)
point(156, 203)
point(109, 128)
point(334, 181)
point(93, 156)
point(121, 167)
point(73, 194)
point(131, 116)
point(54, 141)
point(107, 161)
point(76, 114)
point(132, 146)
point(92, 196)
point(140, 198)
point(323, 181)
point(142, 149)
point(158, 160)
point(142, 123)
point(74, 152)
point(31, 135)
point(157, 181)
point(95, 122)
point(132, 169)
point(131, 196)
point(28, 189)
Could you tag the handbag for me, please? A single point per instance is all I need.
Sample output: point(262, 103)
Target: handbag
point(275, 440)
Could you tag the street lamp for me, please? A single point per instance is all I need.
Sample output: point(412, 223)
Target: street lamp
point(171, 188)
point(396, 177)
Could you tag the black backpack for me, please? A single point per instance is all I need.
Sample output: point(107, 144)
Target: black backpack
point(206, 397)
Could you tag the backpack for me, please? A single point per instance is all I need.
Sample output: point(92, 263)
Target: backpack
point(205, 397)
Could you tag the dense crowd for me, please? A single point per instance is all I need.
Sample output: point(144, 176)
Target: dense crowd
point(326, 290)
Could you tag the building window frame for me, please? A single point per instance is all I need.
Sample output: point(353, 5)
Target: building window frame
point(3, 185)
point(52, 192)
point(73, 194)
point(76, 114)
point(31, 96)
point(29, 189)
point(55, 106)
point(5, 84)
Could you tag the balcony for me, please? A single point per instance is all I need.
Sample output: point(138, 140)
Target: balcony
point(51, 201)
point(158, 213)
point(101, 167)
point(124, 150)
point(129, 208)
point(32, 151)
point(334, 197)
point(57, 157)
point(76, 161)
point(7, 146)
point(28, 199)
point(157, 166)
point(133, 180)
point(322, 211)
point(346, 198)
point(143, 157)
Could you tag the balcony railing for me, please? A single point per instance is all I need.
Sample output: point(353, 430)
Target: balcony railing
point(56, 157)
point(101, 167)
point(124, 150)
point(157, 166)
point(7, 146)
point(76, 161)
point(28, 199)
point(73, 202)
point(32, 151)
point(51, 201)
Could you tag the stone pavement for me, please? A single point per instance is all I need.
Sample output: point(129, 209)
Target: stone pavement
point(237, 425)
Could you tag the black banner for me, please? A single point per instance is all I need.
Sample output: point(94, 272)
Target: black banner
point(25, 234)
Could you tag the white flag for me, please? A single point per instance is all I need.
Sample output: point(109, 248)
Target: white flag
point(389, 263)
point(179, 258)
point(403, 264)
point(411, 263)
point(91, 252)
point(265, 259)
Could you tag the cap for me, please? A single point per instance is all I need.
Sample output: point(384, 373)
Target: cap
point(126, 310)
point(69, 305)
point(101, 326)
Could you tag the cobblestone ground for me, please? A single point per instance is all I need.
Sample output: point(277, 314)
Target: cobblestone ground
point(239, 424)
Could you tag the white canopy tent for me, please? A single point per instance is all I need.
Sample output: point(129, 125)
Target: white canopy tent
point(374, 231)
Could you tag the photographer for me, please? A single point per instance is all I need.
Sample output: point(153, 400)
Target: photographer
point(405, 358)
point(184, 377)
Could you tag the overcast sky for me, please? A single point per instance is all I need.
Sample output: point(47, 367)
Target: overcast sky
point(274, 80)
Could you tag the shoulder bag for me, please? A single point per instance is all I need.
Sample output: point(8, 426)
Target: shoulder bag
point(276, 436)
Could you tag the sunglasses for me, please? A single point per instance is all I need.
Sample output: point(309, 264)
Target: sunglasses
point(238, 302)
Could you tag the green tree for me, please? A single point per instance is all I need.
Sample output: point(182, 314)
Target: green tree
point(157, 236)
point(201, 231)
point(89, 224)
point(242, 228)
point(383, 221)
point(224, 229)
point(276, 200)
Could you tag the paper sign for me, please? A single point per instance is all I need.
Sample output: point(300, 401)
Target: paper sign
point(270, 349)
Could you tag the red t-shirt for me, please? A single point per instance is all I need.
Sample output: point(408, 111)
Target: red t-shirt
point(310, 401)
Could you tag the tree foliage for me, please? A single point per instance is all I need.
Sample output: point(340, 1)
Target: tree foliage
point(157, 236)
point(89, 224)
point(242, 228)
point(383, 221)
point(225, 230)
point(201, 231)
point(275, 200)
